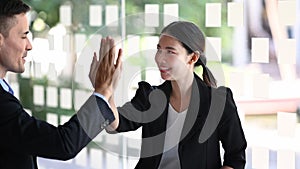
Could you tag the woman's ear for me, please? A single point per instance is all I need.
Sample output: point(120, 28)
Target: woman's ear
point(195, 57)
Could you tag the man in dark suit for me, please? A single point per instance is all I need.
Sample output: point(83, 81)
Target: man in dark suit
point(23, 137)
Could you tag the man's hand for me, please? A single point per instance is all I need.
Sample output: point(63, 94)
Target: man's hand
point(104, 74)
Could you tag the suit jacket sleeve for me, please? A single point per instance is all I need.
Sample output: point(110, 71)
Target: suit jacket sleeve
point(24, 134)
point(130, 114)
point(232, 135)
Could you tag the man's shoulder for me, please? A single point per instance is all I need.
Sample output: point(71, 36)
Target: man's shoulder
point(8, 103)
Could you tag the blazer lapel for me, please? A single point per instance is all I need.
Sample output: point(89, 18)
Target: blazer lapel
point(197, 111)
point(153, 140)
point(166, 87)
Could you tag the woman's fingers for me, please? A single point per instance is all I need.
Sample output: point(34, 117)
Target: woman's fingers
point(93, 69)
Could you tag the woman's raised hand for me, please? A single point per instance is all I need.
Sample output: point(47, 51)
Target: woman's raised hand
point(104, 74)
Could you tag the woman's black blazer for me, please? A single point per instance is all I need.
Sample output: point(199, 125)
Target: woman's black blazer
point(212, 118)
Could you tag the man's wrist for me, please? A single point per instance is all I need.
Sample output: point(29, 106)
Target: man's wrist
point(105, 93)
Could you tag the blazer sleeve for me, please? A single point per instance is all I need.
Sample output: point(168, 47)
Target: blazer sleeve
point(24, 134)
point(232, 135)
point(130, 114)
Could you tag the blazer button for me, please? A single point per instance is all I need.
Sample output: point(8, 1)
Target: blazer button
point(106, 123)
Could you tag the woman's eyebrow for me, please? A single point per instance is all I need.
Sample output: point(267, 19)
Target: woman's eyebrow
point(171, 48)
point(168, 47)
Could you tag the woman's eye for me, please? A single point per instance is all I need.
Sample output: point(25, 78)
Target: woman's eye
point(170, 52)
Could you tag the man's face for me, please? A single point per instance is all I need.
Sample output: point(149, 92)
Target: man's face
point(14, 47)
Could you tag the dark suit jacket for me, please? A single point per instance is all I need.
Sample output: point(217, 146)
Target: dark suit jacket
point(23, 137)
point(211, 118)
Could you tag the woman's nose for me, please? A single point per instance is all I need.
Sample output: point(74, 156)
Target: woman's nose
point(161, 56)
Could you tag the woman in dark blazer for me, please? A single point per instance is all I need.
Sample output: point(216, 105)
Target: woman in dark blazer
point(184, 119)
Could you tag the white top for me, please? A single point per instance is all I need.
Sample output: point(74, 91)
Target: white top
point(175, 121)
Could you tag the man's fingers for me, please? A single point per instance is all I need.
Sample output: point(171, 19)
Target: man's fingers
point(106, 71)
point(102, 49)
point(95, 56)
point(94, 61)
point(112, 52)
point(106, 52)
point(119, 59)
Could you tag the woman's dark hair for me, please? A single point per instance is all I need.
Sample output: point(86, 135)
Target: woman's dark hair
point(192, 40)
point(8, 10)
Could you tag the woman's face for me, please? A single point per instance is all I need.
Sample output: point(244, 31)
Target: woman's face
point(172, 58)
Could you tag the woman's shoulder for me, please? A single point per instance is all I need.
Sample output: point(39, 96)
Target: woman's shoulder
point(223, 93)
point(219, 91)
point(145, 88)
point(142, 95)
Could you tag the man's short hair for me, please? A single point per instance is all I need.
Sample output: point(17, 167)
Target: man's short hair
point(8, 10)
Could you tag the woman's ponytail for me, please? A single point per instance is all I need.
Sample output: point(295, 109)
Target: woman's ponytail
point(207, 76)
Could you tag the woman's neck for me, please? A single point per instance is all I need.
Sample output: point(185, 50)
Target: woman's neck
point(181, 92)
point(182, 85)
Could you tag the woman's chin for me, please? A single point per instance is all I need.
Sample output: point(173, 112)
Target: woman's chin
point(166, 77)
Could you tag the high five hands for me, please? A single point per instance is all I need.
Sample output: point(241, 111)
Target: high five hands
point(104, 73)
